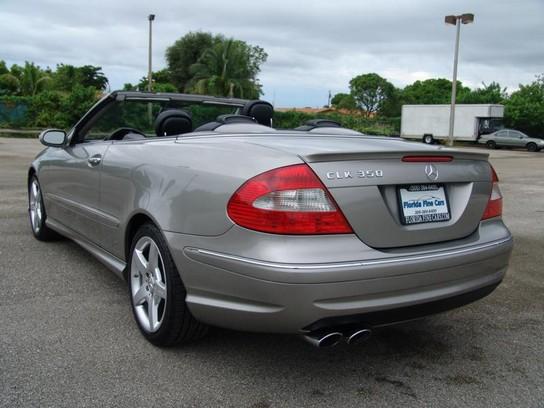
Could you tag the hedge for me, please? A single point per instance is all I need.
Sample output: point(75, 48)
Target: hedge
point(371, 126)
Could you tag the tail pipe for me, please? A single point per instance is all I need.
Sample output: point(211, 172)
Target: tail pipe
point(358, 335)
point(323, 338)
point(329, 338)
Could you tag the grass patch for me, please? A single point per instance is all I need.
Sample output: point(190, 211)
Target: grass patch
point(21, 134)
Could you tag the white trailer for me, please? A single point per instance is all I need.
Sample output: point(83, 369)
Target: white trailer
point(429, 123)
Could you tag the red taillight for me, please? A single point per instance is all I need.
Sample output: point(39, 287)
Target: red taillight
point(287, 200)
point(494, 205)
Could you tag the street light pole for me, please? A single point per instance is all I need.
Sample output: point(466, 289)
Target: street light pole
point(151, 17)
point(457, 21)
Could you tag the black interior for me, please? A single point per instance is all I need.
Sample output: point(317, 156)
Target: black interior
point(318, 123)
point(173, 122)
point(225, 120)
point(126, 133)
point(261, 111)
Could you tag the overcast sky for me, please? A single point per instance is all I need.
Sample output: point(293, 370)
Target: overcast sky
point(313, 46)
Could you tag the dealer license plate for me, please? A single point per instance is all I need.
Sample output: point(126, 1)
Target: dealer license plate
point(423, 203)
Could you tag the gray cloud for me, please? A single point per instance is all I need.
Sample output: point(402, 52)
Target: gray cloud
point(313, 46)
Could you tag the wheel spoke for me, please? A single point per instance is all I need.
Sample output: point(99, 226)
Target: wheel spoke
point(153, 258)
point(159, 290)
point(140, 296)
point(141, 262)
point(153, 313)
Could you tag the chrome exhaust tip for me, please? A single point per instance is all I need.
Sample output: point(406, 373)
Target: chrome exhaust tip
point(358, 336)
point(323, 339)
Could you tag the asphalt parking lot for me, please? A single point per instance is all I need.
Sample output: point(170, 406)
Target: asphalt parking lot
point(67, 336)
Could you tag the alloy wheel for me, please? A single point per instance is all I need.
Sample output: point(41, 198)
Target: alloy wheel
point(148, 284)
point(35, 206)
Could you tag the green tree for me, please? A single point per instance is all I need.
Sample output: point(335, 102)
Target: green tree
point(371, 92)
point(229, 68)
point(492, 93)
point(431, 91)
point(61, 109)
point(32, 79)
point(343, 101)
point(91, 76)
point(524, 110)
point(160, 83)
point(185, 52)
point(9, 84)
point(77, 102)
point(3, 68)
point(392, 106)
point(16, 71)
point(45, 110)
point(66, 77)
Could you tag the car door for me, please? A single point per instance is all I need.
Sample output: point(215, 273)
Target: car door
point(500, 137)
point(506, 138)
point(517, 138)
point(72, 181)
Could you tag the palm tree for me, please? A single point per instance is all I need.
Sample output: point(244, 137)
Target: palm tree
point(9, 84)
point(32, 78)
point(223, 70)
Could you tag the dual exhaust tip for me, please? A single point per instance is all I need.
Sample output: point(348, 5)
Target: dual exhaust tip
point(332, 338)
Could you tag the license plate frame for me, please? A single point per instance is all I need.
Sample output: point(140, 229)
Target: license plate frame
point(423, 214)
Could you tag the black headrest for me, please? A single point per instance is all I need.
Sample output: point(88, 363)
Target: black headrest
point(262, 111)
point(318, 123)
point(224, 120)
point(323, 123)
point(173, 122)
point(227, 119)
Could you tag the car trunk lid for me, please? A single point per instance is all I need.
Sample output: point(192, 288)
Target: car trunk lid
point(365, 176)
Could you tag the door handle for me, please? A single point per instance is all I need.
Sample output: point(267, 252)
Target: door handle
point(94, 160)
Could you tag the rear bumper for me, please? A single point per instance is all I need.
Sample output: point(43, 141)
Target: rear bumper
point(250, 293)
point(389, 316)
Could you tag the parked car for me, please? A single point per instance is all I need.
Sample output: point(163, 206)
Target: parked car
point(511, 138)
point(215, 218)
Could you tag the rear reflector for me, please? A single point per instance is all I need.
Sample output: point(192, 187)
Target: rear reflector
point(287, 200)
point(494, 205)
point(427, 159)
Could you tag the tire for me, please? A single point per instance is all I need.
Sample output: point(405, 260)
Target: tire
point(491, 144)
point(532, 147)
point(428, 139)
point(157, 295)
point(36, 213)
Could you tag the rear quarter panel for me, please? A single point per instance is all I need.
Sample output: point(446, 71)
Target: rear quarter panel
point(184, 185)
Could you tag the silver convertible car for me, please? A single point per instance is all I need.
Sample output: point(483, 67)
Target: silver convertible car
point(215, 218)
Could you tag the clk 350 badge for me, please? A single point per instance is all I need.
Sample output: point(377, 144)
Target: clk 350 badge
point(339, 175)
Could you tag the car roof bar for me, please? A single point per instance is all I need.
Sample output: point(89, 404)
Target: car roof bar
point(161, 96)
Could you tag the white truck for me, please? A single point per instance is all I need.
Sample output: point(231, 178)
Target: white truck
point(430, 123)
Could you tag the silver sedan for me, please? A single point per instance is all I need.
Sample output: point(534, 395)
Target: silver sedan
point(511, 138)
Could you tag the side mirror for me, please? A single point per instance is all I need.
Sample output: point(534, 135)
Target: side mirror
point(53, 137)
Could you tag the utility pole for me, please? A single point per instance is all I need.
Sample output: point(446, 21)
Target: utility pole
point(456, 21)
point(151, 17)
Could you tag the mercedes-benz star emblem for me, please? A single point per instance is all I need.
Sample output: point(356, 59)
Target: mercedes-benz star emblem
point(431, 171)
